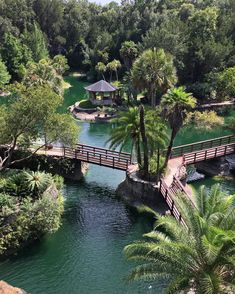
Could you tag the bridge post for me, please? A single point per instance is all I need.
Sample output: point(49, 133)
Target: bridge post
point(113, 161)
point(100, 159)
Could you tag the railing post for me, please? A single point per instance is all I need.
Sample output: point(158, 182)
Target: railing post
point(205, 154)
point(195, 157)
point(87, 156)
point(225, 150)
point(100, 159)
point(64, 151)
point(216, 151)
point(113, 161)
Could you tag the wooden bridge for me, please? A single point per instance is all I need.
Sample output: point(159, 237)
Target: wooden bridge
point(171, 186)
point(100, 156)
point(181, 156)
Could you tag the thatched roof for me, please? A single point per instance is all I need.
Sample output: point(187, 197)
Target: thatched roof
point(101, 86)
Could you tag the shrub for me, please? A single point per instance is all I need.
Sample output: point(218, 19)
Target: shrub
point(86, 104)
point(204, 120)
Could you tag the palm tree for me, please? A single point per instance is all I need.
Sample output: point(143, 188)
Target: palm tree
point(128, 128)
point(199, 257)
point(101, 68)
point(154, 71)
point(113, 66)
point(174, 105)
point(128, 52)
point(144, 129)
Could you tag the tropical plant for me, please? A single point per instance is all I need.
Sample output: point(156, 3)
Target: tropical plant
point(113, 66)
point(174, 105)
point(128, 52)
point(198, 258)
point(205, 120)
point(154, 71)
point(101, 68)
point(128, 129)
point(36, 182)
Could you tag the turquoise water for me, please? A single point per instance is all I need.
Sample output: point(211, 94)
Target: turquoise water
point(85, 255)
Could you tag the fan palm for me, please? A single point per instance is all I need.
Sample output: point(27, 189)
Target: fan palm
point(175, 103)
point(154, 71)
point(199, 257)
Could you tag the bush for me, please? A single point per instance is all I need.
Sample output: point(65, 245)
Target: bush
point(26, 218)
point(204, 120)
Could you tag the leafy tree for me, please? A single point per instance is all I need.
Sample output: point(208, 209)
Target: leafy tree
point(31, 114)
point(174, 104)
point(226, 83)
point(154, 71)
point(4, 75)
point(129, 52)
point(199, 257)
point(35, 40)
point(15, 54)
point(60, 64)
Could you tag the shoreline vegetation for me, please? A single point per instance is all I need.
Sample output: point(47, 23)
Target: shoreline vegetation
point(31, 205)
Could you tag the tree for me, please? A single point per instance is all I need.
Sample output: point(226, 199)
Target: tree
point(35, 40)
point(206, 120)
point(113, 66)
point(16, 55)
point(145, 129)
point(226, 84)
point(4, 75)
point(101, 68)
point(145, 142)
point(31, 114)
point(197, 258)
point(174, 105)
point(128, 129)
point(154, 71)
point(44, 73)
point(129, 52)
point(60, 64)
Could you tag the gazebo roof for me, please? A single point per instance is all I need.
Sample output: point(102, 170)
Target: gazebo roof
point(101, 86)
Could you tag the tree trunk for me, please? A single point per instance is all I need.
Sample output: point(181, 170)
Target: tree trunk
point(103, 76)
point(116, 74)
point(111, 76)
point(158, 164)
point(145, 142)
point(138, 152)
point(169, 149)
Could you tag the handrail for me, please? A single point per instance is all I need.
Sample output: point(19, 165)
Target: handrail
point(182, 149)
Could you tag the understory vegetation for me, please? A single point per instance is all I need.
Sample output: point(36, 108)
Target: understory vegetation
point(31, 205)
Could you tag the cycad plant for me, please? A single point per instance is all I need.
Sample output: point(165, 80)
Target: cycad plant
point(37, 182)
point(200, 257)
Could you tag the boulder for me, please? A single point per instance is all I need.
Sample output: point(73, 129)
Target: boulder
point(7, 289)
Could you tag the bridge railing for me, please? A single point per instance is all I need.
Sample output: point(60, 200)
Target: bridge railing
point(99, 156)
point(188, 148)
point(194, 157)
point(169, 198)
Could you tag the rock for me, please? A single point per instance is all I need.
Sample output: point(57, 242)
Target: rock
point(7, 289)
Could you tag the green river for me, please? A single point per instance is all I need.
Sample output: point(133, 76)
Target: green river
point(85, 255)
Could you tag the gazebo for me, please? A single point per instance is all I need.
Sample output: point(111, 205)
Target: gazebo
point(102, 93)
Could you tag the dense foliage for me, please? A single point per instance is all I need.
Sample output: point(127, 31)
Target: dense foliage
point(199, 257)
point(30, 206)
point(199, 35)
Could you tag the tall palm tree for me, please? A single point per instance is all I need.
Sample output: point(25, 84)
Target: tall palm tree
point(199, 257)
point(154, 71)
point(174, 105)
point(128, 128)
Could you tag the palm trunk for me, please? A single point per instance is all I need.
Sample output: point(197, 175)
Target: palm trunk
point(169, 149)
point(116, 74)
point(145, 142)
point(158, 164)
point(103, 76)
point(138, 152)
point(111, 76)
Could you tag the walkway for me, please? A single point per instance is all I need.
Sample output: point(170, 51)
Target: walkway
point(171, 186)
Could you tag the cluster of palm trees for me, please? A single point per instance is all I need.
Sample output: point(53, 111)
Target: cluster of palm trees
point(147, 129)
point(199, 258)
